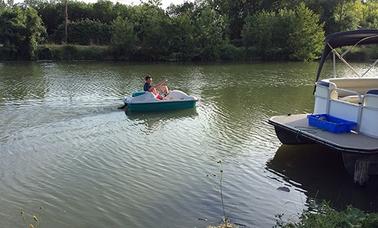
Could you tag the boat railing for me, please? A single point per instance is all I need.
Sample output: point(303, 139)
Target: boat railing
point(360, 105)
point(368, 124)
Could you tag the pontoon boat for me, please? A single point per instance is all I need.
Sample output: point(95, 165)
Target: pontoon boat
point(349, 99)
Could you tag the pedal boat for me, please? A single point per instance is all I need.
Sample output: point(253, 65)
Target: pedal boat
point(146, 102)
point(351, 98)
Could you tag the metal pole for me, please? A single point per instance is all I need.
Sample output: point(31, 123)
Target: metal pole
point(334, 64)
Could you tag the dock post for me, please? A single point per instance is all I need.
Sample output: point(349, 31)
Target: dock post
point(361, 171)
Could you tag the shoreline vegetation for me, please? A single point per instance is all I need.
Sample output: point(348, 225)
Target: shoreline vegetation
point(202, 30)
point(75, 52)
point(322, 215)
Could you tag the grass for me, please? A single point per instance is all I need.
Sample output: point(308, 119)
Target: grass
point(324, 216)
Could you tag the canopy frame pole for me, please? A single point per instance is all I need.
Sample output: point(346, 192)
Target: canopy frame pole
point(350, 48)
point(343, 60)
point(334, 64)
point(371, 67)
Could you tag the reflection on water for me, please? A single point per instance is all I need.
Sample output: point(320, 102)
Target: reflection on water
point(155, 120)
point(319, 172)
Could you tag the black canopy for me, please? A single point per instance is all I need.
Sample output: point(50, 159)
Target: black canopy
point(349, 38)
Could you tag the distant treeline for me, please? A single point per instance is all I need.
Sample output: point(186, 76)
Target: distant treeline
point(204, 30)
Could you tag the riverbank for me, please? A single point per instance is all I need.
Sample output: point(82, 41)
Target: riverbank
point(230, 53)
point(73, 52)
point(59, 52)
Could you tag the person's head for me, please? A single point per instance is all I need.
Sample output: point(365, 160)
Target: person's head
point(148, 79)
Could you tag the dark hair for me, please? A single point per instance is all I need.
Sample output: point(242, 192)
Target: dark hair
point(147, 77)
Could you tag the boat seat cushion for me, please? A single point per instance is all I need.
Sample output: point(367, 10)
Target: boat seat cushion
point(138, 93)
point(355, 99)
point(373, 91)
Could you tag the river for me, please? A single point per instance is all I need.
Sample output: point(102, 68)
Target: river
point(70, 157)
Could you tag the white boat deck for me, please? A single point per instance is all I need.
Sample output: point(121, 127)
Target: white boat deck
point(350, 142)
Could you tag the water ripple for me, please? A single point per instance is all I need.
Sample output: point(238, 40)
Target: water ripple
point(65, 146)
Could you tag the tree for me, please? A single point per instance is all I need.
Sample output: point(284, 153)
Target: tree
point(294, 34)
point(370, 15)
point(85, 32)
point(153, 28)
point(102, 10)
point(306, 39)
point(183, 37)
point(348, 15)
point(20, 31)
point(210, 27)
point(123, 37)
point(65, 21)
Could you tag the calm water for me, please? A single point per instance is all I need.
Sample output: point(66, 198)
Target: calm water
point(65, 147)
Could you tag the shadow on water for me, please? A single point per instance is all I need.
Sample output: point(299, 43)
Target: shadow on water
point(319, 171)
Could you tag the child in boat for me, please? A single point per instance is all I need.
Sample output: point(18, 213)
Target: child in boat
point(154, 89)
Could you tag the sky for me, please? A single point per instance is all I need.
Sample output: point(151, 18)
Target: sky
point(165, 3)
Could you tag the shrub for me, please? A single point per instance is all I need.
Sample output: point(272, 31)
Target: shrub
point(20, 31)
point(123, 38)
point(74, 52)
point(286, 34)
point(85, 32)
point(323, 216)
point(231, 52)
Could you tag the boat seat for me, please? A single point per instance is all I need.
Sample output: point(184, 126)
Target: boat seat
point(371, 98)
point(373, 91)
point(355, 99)
point(138, 93)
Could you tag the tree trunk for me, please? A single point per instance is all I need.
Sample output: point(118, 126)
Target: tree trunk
point(66, 23)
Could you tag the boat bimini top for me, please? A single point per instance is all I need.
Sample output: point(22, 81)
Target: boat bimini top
point(341, 39)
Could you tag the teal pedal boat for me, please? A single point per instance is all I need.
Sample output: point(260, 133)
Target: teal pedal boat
point(147, 102)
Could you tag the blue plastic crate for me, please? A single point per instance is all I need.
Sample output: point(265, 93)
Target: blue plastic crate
point(330, 123)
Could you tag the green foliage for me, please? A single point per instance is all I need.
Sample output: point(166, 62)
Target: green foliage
point(370, 15)
point(2, 4)
point(74, 52)
point(153, 30)
point(258, 29)
point(348, 15)
point(324, 216)
point(123, 37)
point(230, 52)
point(20, 31)
point(203, 30)
point(294, 34)
point(210, 34)
point(182, 38)
point(306, 39)
point(85, 32)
